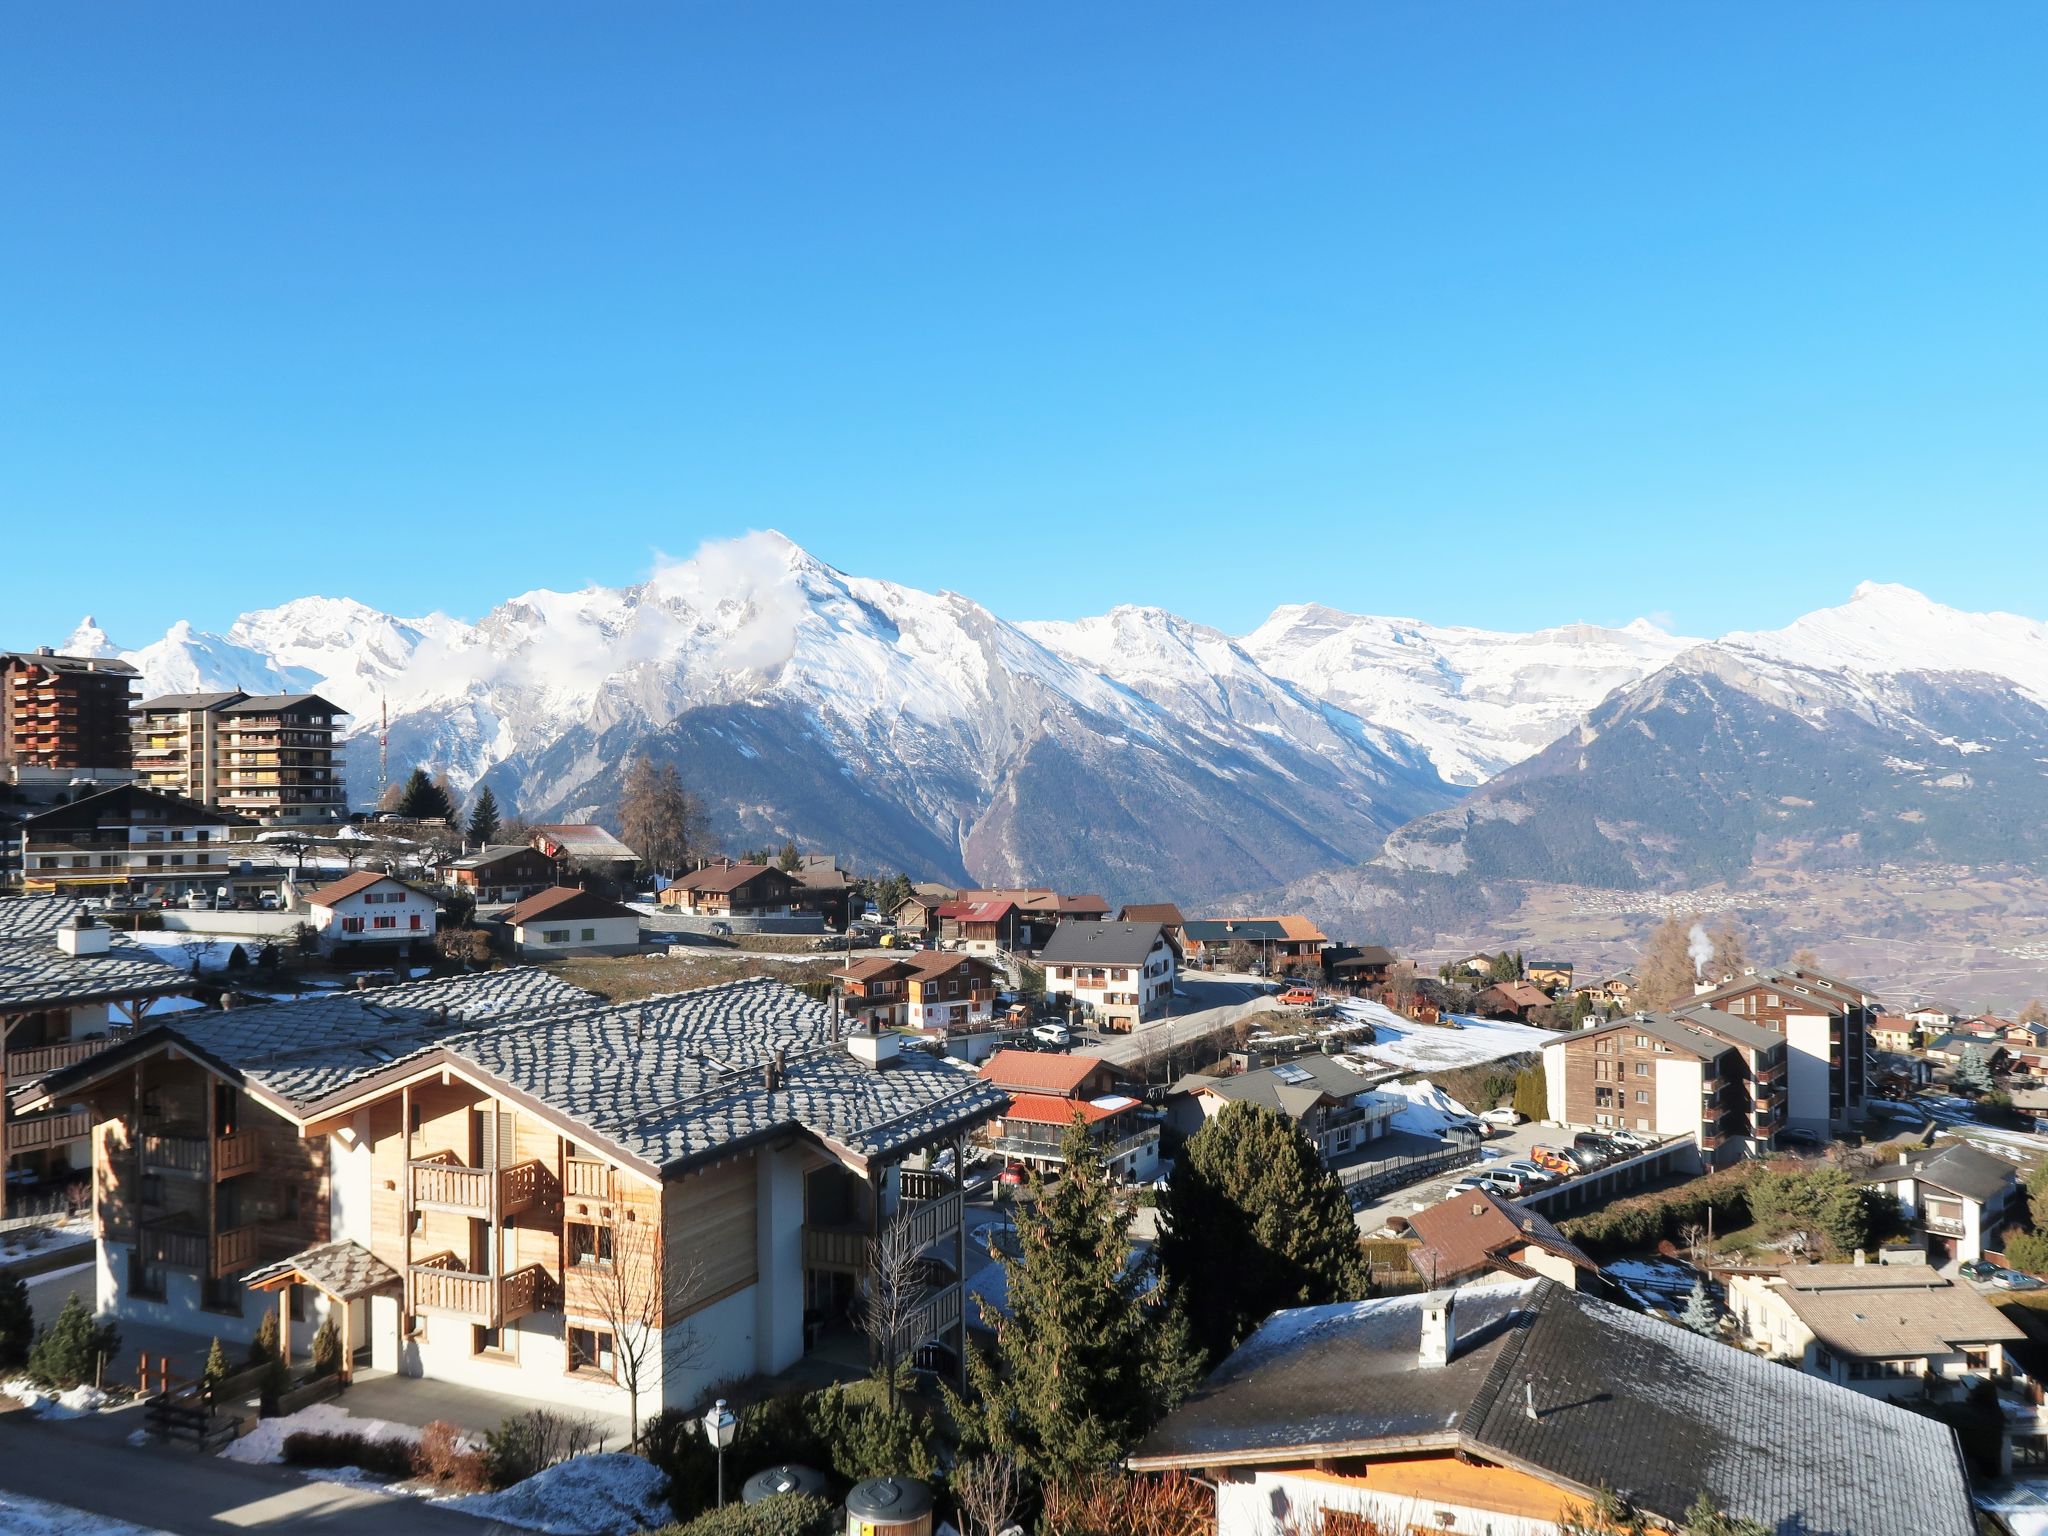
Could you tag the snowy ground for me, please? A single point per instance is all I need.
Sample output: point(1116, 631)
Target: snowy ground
point(265, 1443)
point(608, 1495)
point(74, 1233)
point(1417, 1047)
point(1431, 1112)
point(74, 1404)
point(20, 1516)
point(181, 950)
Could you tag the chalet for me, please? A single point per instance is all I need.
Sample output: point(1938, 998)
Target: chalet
point(1358, 968)
point(68, 987)
point(130, 840)
point(1500, 1407)
point(1332, 1102)
point(1620, 988)
point(500, 873)
point(578, 847)
point(1036, 912)
point(1120, 974)
point(1553, 976)
point(874, 990)
point(956, 993)
point(1212, 940)
point(1895, 1032)
point(1952, 1047)
point(1888, 1330)
point(566, 920)
point(1048, 1093)
point(983, 926)
point(502, 1166)
point(824, 888)
point(1953, 1199)
point(918, 913)
point(368, 911)
point(1826, 1024)
point(1165, 913)
point(1478, 1237)
point(1515, 1000)
point(733, 890)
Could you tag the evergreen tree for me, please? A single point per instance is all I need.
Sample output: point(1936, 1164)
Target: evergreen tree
point(1088, 1357)
point(73, 1349)
point(214, 1372)
point(1974, 1070)
point(1701, 1315)
point(1503, 968)
point(263, 1348)
point(483, 818)
point(1705, 1518)
point(422, 799)
point(1532, 1092)
point(17, 1323)
point(1254, 1222)
point(789, 861)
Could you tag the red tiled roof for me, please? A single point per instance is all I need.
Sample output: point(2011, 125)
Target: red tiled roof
point(1044, 1109)
point(1038, 1071)
point(1464, 1234)
point(728, 877)
point(347, 886)
point(564, 901)
point(976, 911)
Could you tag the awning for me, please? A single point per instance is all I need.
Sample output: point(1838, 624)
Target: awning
point(343, 1271)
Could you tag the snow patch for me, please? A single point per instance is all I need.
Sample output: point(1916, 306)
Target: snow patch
point(45, 1404)
point(264, 1445)
point(612, 1494)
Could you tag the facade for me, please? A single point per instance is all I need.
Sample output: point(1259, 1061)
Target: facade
point(1826, 1024)
point(1722, 1081)
point(1292, 943)
point(480, 1177)
point(918, 913)
point(983, 926)
point(1889, 1330)
point(68, 987)
point(733, 890)
point(1494, 1409)
point(1954, 1199)
point(1512, 1000)
point(1553, 976)
point(65, 713)
point(131, 841)
point(1480, 1238)
point(1035, 911)
point(1120, 974)
point(564, 920)
point(1048, 1093)
point(1333, 1104)
point(872, 990)
point(1358, 968)
point(578, 846)
point(503, 872)
point(269, 757)
point(956, 993)
point(370, 911)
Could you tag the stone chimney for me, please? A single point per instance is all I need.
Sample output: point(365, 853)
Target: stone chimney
point(877, 1047)
point(80, 935)
point(772, 1069)
point(1439, 1331)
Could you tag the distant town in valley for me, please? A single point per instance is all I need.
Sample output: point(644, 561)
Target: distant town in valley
point(513, 1163)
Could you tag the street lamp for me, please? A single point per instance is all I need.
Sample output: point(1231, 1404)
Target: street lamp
point(719, 1425)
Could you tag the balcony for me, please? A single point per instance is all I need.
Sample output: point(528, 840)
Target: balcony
point(172, 1247)
point(234, 1251)
point(35, 1133)
point(36, 1060)
point(168, 1153)
point(439, 1284)
point(234, 1154)
point(930, 1212)
point(585, 1178)
point(441, 1183)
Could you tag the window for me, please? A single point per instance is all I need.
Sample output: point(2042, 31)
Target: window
point(1642, 1069)
point(351, 925)
point(384, 920)
point(589, 934)
point(1642, 1095)
point(1642, 1042)
point(589, 1243)
point(590, 1349)
point(482, 1341)
point(555, 935)
point(52, 863)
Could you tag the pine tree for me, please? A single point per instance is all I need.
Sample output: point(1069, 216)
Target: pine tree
point(789, 861)
point(1974, 1070)
point(483, 818)
point(18, 1322)
point(72, 1349)
point(263, 1348)
point(214, 1372)
point(1254, 1222)
point(422, 799)
point(1088, 1357)
point(1701, 1315)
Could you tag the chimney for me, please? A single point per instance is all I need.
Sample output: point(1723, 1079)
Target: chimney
point(1439, 1333)
point(80, 935)
point(771, 1070)
point(867, 1043)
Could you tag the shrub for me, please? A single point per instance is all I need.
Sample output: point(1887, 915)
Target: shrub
point(1642, 1220)
point(214, 1373)
point(388, 1458)
point(865, 1440)
point(1116, 1504)
point(326, 1349)
point(444, 1456)
point(17, 1322)
point(786, 1514)
point(71, 1350)
point(2027, 1251)
point(770, 1433)
point(526, 1443)
point(263, 1348)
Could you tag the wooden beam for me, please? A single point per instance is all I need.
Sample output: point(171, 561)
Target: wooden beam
point(348, 1342)
point(284, 1324)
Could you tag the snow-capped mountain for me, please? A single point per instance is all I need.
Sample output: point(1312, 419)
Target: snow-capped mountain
point(1475, 700)
point(905, 728)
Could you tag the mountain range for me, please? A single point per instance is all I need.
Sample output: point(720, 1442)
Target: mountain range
point(1337, 760)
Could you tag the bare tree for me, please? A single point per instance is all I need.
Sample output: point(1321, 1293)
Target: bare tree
point(2036, 1012)
point(658, 818)
point(1400, 985)
point(1731, 955)
point(201, 948)
point(1668, 971)
point(643, 1293)
point(1806, 960)
point(989, 1490)
point(890, 1294)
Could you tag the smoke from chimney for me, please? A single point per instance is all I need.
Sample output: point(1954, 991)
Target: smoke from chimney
point(1701, 948)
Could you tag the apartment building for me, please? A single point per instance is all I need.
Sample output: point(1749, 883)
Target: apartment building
point(130, 841)
point(479, 1177)
point(1826, 1022)
point(270, 757)
point(64, 713)
point(1721, 1080)
point(1119, 974)
point(67, 985)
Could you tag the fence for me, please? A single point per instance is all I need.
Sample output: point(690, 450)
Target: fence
point(1368, 1181)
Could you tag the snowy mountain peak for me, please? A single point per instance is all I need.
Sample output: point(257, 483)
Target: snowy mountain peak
point(87, 640)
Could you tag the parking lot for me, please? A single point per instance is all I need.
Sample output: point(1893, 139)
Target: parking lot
point(1501, 1146)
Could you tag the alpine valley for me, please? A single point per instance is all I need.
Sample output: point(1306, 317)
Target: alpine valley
point(1400, 781)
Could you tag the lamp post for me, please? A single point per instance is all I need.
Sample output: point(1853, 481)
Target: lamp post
point(719, 1425)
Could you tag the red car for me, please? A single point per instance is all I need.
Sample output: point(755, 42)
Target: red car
point(1015, 1173)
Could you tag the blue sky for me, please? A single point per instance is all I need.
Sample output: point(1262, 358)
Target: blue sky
point(1489, 313)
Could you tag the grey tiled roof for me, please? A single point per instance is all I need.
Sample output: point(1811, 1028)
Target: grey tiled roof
point(1621, 1400)
point(35, 973)
point(1092, 943)
point(1959, 1168)
point(343, 1270)
point(27, 917)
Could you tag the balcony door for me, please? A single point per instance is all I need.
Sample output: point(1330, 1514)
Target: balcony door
point(490, 1137)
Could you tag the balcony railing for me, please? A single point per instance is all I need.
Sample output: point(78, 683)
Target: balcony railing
point(172, 1247)
point(234, 1251)
point(33, 1133)
point(162, 1153)
point(36, 1060)
point(234, 1154)
point(933, 1221)
point(441, 1183)
point(843, 1248)
point(935, 1318)
point(438, 1284)
point(585, 1178)
point(1943, 1226)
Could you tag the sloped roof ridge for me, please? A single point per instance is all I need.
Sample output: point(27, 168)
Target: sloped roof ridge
point(1520, 1323)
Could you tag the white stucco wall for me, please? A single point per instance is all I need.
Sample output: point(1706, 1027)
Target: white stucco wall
point(1275, 1504)
point(1806, 1072)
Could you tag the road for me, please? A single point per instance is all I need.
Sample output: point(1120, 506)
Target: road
point(1201, 1004)
point(87, 1464)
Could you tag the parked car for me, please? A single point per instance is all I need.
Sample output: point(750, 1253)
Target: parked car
point(1977, 1269)
point(1013, 1173)
point(1465, 1186)
point(1531, 1171)
point(267, 902)
point(1593, 1142)
point(1554, 1160)
point(198, 902)
point(1052, 1034)
point(723, 930)
point(1634, 1141)
point(1505, 1114)
point(2013, 1280)
point(1298, 997)
point(1502, 1182)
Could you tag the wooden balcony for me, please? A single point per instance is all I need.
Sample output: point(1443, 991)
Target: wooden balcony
point(172, 1247)
point(932, 1221)
point(234, 1251)
point(234, 1154)
point(585, 1178)
point(844, 1246)
point(437, 1284)
point(841, 1248)
point(166, 1153)
point(440, 1183)
point(33, 1133)
point(935, 1318)
point(39, 1059)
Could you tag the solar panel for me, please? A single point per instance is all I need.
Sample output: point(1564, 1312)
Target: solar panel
point(1289, 1073)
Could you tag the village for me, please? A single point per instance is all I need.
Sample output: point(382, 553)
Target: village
point(521, 1173)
